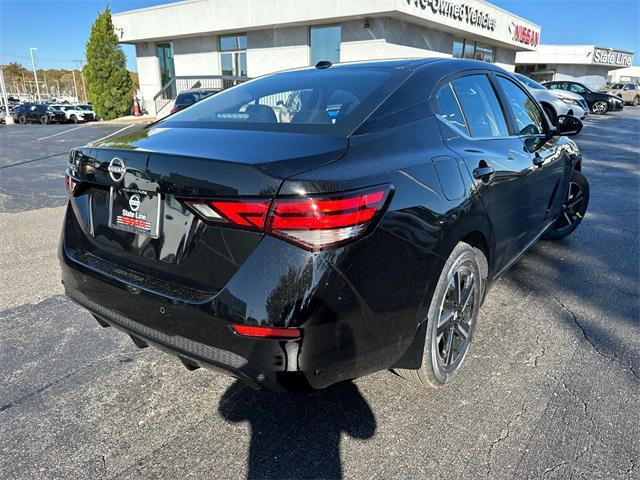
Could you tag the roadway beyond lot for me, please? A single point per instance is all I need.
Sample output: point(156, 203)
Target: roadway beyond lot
point(550, 389)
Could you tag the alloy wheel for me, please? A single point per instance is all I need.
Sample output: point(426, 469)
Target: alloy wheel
point(599, 108)
point(456, 317)
point(571, 210)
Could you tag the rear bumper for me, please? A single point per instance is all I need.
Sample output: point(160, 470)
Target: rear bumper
point(353, 323)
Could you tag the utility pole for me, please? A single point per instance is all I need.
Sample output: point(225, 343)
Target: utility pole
point(35, 75)
point(84, 89)
point(46, 87)
point(59, 94)
point(8, 120)
point(75, 87)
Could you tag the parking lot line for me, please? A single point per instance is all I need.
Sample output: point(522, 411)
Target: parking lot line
point(60, 133)
point(112, 134)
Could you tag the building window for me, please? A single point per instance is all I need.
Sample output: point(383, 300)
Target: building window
point(463, 48)
point(325, 43)
point(233, 55)
point(458, 48)
point(164, 51)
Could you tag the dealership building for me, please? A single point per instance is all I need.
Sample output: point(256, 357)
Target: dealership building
point(212, 43)
point(588, 64)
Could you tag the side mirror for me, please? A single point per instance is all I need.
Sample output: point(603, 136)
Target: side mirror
point(568, 125)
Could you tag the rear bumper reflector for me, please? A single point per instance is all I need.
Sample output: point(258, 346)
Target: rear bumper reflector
point(266, 332)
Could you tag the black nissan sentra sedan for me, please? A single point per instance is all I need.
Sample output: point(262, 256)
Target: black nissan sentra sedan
point(321, 224)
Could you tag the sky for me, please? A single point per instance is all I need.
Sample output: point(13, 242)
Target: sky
point(59, 29)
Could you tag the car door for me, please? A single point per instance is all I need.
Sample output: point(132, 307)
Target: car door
point(502, 170)
point(547, 153)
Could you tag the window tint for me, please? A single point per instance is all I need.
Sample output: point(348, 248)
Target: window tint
point(525, 111)
point(631, 86)
point(481, 107)
point(449, 108)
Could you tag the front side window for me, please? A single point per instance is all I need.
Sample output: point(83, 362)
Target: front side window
point(525, 111)
point(577, 88)
point(480, 106)
point(631, 86)
point(450, 109)
point(311, 101)
point(233, 55)
point(324, 42)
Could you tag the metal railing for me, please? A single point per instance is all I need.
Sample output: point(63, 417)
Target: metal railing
point(173, 87)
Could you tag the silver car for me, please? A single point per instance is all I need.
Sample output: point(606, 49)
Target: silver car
point(556, 102)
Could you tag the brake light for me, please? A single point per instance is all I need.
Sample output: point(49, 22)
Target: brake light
point(314, 222)
point(266, 332)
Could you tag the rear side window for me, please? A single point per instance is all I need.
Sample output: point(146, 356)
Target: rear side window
point(480, 106)
point(631, 86)
point(450, 109)
point(556, 86)
point(525, 111)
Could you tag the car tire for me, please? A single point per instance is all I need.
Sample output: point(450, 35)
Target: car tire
point(551, 113)
point(73, 119)
point(573, 209)
point(44, 119)
point(600, 107)
point(636, 101)
point(450, 324)
point(22, 119)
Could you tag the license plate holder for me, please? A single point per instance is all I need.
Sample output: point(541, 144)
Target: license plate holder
point(135, 211)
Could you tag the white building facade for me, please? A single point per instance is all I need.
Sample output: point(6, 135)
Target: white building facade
point(249, 38)
point(588, 64)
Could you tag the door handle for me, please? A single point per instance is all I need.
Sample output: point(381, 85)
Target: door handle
point(483, 173)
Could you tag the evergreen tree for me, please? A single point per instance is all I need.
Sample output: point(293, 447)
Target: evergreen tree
point(107, 80)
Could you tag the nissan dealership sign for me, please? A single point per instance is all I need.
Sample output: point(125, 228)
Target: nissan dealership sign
point(462, 12)
point(604, 56)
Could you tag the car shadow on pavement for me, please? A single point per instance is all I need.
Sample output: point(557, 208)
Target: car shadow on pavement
point(298, 435)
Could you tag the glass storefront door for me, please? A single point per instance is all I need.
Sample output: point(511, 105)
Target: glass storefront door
point(167, 68)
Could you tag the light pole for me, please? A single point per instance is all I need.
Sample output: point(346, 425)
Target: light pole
point(35, 75)
point(8, 119)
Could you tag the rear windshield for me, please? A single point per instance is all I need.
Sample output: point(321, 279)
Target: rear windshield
point(334, 100)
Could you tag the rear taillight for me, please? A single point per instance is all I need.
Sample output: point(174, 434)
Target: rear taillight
point(314, 222)
point(71, 184)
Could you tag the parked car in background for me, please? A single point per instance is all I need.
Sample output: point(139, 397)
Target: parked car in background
point(599, 103)
point(556, 102)
point(43, 113)
point(359, 235)
point(88, 111)
point(629, 92)
point(73, 113)
point(189, 97)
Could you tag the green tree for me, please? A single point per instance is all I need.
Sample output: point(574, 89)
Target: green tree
point(107, 80)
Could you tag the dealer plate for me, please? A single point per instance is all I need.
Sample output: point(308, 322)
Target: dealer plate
point(135, 211)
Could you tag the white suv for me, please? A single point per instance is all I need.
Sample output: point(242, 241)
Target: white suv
point(556, 102)
point(73, 113)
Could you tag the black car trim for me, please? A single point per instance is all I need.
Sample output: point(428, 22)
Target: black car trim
point(231, 362)
point(136, 279)
point(510, 263)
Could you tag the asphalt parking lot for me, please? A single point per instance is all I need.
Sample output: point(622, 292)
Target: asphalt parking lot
point(551, 387)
